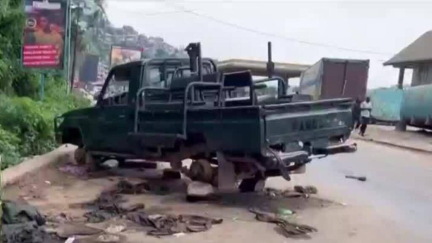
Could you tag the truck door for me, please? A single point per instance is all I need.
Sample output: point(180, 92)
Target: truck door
point(115, 117)
point(356, 76)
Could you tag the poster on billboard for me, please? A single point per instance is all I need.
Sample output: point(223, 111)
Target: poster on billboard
point(44, 34)
point(89, 70)
point(123, 54)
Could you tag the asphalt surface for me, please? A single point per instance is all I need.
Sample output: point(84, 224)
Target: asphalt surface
point(398, 186)
point(393, 205)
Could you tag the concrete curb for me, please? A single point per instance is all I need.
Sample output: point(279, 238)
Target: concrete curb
point(13, 174)
point(393, 145)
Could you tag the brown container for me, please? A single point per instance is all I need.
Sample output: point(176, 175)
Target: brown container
point(336, 78)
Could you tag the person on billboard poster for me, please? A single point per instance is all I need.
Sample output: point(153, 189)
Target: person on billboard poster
point(47, 33)
point(43, 34)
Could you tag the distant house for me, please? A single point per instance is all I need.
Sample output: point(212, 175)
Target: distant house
point(416, 56)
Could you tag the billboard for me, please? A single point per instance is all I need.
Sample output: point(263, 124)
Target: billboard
point(123, 54)
point(89, 69)
point(44, 34)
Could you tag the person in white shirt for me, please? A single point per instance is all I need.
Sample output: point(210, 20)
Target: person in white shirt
point(366, 109)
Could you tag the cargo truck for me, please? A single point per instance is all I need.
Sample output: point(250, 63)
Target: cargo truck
point(335, 78)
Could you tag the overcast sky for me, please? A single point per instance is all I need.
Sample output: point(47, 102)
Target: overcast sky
point(301, 32)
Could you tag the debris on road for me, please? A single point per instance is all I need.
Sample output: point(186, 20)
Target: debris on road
point(179, 234)
point(115, 228)
point(109, 205)
point(70, 240)
point(18, 213)
point(164, 225)
point(290, 229)
point(26, 233)
point(272, 192)
point(306, 189)
point(360, 178)
point(66, 231)
point(284, 212)
point(103, 238)
point(276, 193)
point(22, 223)
point(62, 218)
point(75, 170)
point(107, 238)
point(126, 187)
point(197, 191)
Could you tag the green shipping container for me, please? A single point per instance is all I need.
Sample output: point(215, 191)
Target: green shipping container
point(417, 106)
point(386, 104)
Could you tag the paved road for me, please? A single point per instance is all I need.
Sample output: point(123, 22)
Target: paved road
point(398, 186)
point(393, 205)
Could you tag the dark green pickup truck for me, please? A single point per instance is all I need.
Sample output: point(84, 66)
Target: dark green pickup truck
point(232, 127)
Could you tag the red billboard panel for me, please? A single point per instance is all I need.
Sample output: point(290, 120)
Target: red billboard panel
point(44, 34)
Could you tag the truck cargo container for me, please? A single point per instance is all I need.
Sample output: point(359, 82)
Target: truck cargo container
point(386, 105)
point(416, 107)
point(335, 78)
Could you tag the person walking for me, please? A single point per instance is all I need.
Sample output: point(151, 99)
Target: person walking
point(356, 114)
point(366, 109)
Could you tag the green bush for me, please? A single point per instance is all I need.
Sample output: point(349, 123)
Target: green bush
point(9, 148)
point(27, 125)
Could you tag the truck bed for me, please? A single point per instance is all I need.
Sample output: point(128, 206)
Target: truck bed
point(249, 129)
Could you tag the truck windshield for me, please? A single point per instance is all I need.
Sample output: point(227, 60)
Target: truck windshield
point(155, 78)
point(155, 75)
point(117, 89)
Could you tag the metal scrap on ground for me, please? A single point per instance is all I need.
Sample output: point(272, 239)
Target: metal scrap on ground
point(163, 225)
point(22, 223)
point(299, 191)
point(272, 192)
point(290, 229)
point(125, 187)
point(360, 178)
point(306, 189)
point(109, 205)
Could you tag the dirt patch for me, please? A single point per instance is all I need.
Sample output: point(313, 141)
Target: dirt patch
point(60, 195)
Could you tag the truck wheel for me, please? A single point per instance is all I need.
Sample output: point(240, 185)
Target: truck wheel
point(90, 159)
point(215, 180)
point(80, 156)
point(83, 157)
point(121, 162)
point(201, 170)
point(252, 185)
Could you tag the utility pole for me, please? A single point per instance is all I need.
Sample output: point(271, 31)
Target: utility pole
point(79, 9)
point(66, 60)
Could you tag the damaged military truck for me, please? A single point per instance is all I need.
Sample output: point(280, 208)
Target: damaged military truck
point(176, 109)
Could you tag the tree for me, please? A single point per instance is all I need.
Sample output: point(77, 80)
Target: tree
point(13, 78)
point(161, 53)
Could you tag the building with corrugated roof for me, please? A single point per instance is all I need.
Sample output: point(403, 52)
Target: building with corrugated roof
point(416, 56)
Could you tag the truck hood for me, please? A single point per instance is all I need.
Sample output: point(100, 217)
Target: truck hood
point(79, 112)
